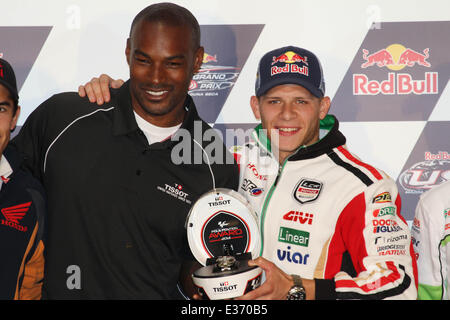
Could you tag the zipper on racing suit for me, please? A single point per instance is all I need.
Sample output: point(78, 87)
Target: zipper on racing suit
point(264, 208)
point(269, 196)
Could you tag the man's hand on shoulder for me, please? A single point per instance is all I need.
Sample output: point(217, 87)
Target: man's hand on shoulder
point(97, 90)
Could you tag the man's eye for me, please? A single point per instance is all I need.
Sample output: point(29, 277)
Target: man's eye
point(141, 60)
point(174, 64)
point(273, 101)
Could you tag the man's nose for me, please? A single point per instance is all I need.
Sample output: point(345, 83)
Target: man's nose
point(287, 111)
point(156, 74)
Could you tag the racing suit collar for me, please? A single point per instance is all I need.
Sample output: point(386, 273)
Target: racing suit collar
point(10, 161)
point(331, 137)
point(259, 135)
point(13, 157)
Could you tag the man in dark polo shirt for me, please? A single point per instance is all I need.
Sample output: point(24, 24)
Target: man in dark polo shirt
point(118, 199)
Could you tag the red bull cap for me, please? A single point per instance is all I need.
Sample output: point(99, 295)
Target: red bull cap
point(290, 65)
point(8, 79)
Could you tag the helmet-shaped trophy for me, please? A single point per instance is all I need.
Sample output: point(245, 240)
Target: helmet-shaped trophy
point(223, 235)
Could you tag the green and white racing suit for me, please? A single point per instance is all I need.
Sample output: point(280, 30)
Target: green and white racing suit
point(431, 239)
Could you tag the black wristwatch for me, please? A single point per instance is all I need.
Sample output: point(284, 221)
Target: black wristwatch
point(297, 291)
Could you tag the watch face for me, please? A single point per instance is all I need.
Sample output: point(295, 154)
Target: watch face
point(296, 293)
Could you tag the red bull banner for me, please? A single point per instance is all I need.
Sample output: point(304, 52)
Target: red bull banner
point(399, 74)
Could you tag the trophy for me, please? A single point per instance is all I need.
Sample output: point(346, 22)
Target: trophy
point(223, 236)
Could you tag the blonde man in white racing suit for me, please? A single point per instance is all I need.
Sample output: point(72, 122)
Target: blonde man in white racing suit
point(330, 224)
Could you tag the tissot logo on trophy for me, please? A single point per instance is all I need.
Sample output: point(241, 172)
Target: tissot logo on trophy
point(223, 235)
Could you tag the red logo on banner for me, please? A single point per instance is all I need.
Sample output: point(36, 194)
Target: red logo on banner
point(395, 57)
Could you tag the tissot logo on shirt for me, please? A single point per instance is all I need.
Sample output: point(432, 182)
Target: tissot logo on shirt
point(176, 191)
point(307, 190)
point(14, 214)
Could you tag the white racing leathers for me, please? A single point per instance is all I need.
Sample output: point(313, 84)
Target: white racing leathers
point(431, 239)
point(326, 215)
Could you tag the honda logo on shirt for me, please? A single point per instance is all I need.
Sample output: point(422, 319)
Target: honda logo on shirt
point(14, 214)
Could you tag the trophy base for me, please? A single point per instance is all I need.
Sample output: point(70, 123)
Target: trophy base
point(215, 284)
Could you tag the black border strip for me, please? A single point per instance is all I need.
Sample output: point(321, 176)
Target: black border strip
point(358, 173)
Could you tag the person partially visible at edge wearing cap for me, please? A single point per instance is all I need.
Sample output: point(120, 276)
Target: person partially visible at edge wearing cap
point(22, 206)
point(117, 199)
point(331, 225)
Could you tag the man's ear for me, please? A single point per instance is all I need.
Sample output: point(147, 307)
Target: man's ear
point(198, 59)
point(128, 50)
point(254, 103)
point(325, 104)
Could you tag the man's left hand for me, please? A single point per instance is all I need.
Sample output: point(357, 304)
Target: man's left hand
point(275, 287)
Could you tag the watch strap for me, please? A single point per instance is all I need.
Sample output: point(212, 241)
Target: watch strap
point(297, 280)
point(297, 291)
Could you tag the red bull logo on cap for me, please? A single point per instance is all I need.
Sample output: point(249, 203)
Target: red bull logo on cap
point(396, 57)
point(290, 57)
point(290, 60)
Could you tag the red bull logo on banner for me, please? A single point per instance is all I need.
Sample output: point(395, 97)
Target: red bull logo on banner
point(212, 77)
point(396, 57)
point(207, 58)
point(291, 61)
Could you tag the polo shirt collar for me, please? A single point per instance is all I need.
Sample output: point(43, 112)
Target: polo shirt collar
point(124, 121)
